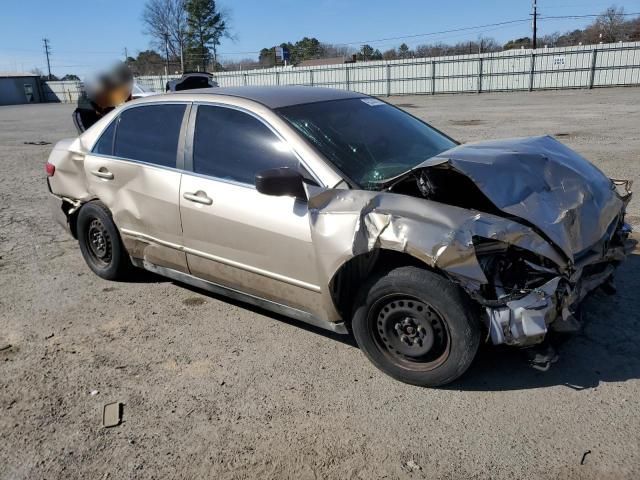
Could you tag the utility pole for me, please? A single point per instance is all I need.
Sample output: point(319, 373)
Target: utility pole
point(47, 52)
point(535, 24)
point(126, 55)
point(166, 56)
point(181, 56)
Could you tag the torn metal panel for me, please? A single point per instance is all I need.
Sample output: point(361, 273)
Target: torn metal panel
point(346, 223)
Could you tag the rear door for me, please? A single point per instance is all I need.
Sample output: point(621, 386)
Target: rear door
point(234, 235)
point(134, 170)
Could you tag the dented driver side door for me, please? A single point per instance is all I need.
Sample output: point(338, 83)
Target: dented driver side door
point(134, 170)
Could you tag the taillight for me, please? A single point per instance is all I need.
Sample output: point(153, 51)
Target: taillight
point(50, 168)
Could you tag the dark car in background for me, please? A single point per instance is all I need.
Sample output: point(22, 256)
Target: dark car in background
point(191, 81)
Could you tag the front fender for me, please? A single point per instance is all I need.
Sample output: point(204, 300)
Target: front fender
point(346, 223)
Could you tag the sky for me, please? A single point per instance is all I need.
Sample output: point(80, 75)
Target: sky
point(87, 35)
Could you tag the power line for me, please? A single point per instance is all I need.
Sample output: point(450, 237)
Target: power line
point(91, 52)
point(593, 15)
point(456, 30)
point(536, 16)
point(403, 37)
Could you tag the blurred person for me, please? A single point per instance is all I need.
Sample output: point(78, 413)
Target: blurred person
point(102, 93)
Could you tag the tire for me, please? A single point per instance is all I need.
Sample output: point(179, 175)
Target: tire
point(416, 326)
point(100, 242)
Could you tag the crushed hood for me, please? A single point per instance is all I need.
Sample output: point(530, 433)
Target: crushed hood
point(543, 182)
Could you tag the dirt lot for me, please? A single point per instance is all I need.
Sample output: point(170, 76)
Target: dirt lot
point(214, 389)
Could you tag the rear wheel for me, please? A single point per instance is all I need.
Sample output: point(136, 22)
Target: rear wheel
point(416, 326)
point(100, 242)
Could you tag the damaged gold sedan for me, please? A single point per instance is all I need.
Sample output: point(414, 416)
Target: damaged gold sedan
point(345, 212)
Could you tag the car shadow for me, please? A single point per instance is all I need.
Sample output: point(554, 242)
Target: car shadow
point(606, 350)
point(140, 275)
point(345, 339)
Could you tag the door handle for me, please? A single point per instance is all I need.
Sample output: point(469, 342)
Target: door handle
point(198, 197)
point(103, 173)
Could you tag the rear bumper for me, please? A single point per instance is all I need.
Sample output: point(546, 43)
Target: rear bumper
point(56, 208)
point(61, 209)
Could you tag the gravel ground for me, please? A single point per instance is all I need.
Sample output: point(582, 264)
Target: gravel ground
point(214, 389)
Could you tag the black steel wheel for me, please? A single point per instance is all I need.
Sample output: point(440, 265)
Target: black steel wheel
point(416, 326)
point(100, 242)
point(410, 331)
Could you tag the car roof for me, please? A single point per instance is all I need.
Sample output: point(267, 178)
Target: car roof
point(271, 97)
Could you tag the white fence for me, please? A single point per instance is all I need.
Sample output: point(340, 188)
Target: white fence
point(588, 66)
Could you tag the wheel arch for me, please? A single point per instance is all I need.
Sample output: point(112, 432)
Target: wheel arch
point(347, 279)
point(71, 211)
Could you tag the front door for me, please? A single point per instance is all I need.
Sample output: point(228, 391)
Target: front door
point(234, 235)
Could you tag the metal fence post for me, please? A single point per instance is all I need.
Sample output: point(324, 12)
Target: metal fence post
point(480, 75)
point(244, 79)
point(347, 75)
point(592, 72)
point(277, 78)
point(433, 77)
point(388, 80)
point(311, 77)
point(532, 70)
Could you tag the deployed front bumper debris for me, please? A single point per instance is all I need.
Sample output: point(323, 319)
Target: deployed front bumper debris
point(524, 321)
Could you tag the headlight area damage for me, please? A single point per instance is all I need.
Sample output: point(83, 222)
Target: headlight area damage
point(527, 227)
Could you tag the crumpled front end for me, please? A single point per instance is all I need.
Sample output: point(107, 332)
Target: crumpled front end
point(527, 252)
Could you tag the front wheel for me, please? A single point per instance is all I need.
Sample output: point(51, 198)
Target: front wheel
point(416, 326)
point(100, 242)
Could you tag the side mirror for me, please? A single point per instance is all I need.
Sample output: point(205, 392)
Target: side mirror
point(279, 182)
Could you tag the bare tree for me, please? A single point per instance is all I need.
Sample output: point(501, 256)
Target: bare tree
point(634, 30)
point(611, 25)
point(390, 54)
point(550, 40)
point(242, 64)
point(482, 45)
point(330, 50)
point(166, 22)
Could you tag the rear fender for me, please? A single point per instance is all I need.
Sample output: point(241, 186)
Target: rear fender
point(69, 178)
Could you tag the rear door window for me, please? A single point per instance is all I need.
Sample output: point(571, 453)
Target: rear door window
point(150, 134)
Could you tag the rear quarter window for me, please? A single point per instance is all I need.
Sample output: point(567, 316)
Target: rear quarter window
point(104, 145)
